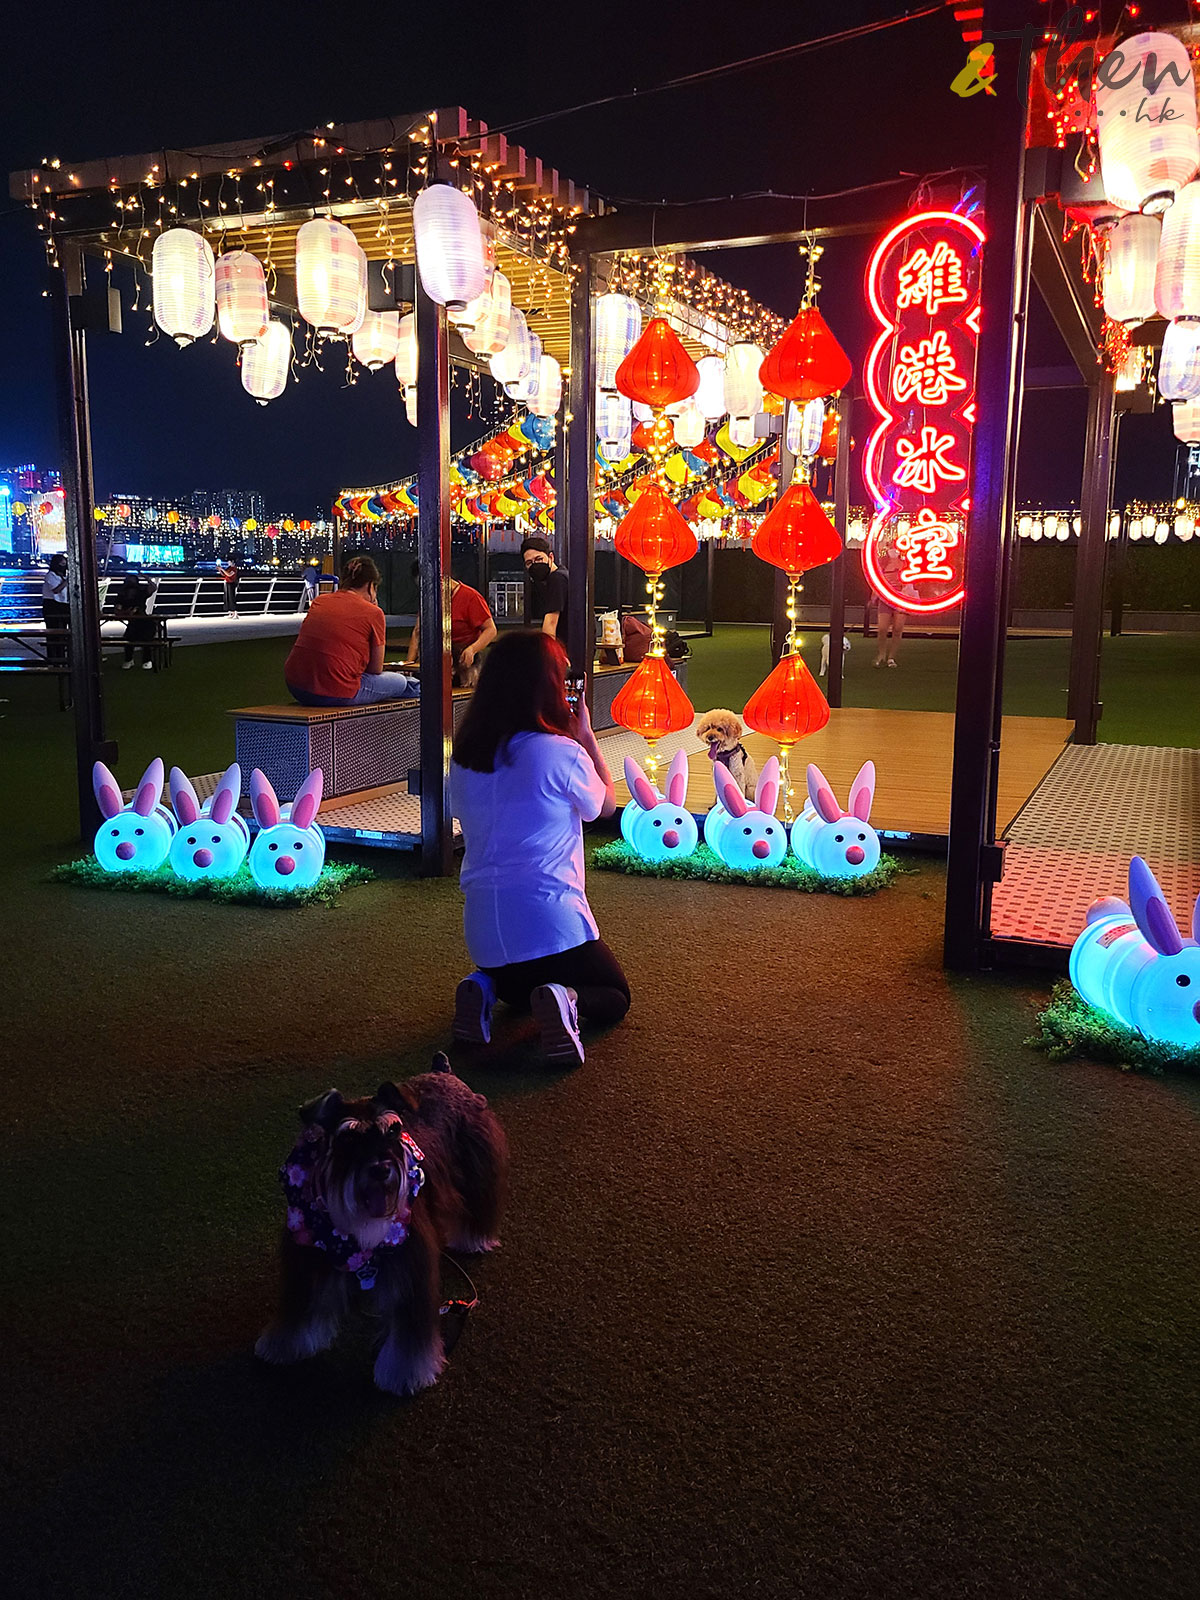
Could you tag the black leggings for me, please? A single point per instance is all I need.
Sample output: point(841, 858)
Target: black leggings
point(590, 969)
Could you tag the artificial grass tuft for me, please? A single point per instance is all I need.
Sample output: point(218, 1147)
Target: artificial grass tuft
point(1070, 1027)
point(241, 889)
point(703, 864)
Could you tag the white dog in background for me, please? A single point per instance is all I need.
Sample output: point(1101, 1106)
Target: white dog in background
point(825, 652)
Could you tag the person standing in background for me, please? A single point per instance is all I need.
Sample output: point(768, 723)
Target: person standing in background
point(56, 611)
point(230, 575)
point(545, 588)
point(312, 586)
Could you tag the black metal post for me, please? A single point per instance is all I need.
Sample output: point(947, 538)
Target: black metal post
point(1003, 300)
point(1120, 552)
point(75, 443)
point(575, 488)
point(779, 621)
point(1087, 615)
point(710, 555)
point(433, 552)
point(837, 578)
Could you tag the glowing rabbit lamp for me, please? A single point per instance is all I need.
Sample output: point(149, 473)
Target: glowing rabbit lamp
point(652, 703)
point(1177, 270)
point(183, 282)
point(618, 328)
point(659, 826)
point(289, 849)
point(833, 842)
point(749, 838)
point(743, 391)
point(266, 363)
point(243, 309)
point(710, 396)
point(450, 251)
point(487, 332)
point(212, 839)
point(548, 398)
point(331, 276)
point(378, 340)
point(134, 837)
point(406, 351)
point(1129, 267)
point(787, 706)
point(1146, 121)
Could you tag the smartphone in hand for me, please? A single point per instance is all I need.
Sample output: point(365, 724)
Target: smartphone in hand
point(576, 684)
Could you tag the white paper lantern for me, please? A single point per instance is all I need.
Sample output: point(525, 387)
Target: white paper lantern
point(1025, 525)
point(1177, 275)
point(450, 252)
point(812, 424)
point(689, 426)
point(1129, 266)
point(512, 363)
point(1179, 364)
point(491, 315)
point(549, 391)
point(642, 412)
point(741, 432)
point(1144, 160)
point(743, 391)
point(710, 396)
point(618, 328)
point(378, 340)
point(266, 363)
point(410, 405)
point(182, 273)
point(526, 388)
point(406, 351)
point(1185, 419)
point(614, 424)
point(331, 276)
point(243, 309)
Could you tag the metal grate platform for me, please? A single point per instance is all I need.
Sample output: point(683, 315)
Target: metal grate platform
point(1097, 806)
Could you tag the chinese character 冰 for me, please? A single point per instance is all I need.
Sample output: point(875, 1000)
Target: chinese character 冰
point(927, 370)
point(932, 278)
point(921, 465)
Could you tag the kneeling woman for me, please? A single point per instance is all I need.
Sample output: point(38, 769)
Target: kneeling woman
point(337, 659)
point(526, 776)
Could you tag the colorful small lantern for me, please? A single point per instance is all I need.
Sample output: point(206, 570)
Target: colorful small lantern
point(183, 279)
point(1146, 121)
point(658, 370)
point(1130, 258)
point(243, 309)
point(618, 328)
point(806, 362)
point(743, 390)
point(266, 363)
point(331, 276)
point(450, 251)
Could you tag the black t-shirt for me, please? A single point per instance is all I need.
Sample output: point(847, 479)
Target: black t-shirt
point(549, 596)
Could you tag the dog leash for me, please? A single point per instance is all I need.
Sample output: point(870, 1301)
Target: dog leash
point(458, 1310)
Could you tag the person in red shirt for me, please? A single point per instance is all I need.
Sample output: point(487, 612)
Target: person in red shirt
point(471, 630)
point(337, 659)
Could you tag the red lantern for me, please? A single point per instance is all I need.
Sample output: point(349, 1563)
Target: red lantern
point(807, 362)
point(796, 534)
point(653, 535)
point(643, 437)
point(658, 371)
point(486, 466)
point(788, 705)
point(652, 703)
point(828, 448)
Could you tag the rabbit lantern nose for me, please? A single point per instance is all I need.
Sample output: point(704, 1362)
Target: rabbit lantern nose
point(671, 839)
point(284, 865)
point(125, 851)
point(856, 855)
point(203, 858)
point(761, 849)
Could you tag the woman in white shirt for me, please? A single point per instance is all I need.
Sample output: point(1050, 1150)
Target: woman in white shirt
point(526, 776)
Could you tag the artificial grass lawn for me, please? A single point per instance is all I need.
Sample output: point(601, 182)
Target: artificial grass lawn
point(702, 866)
point(1069, 1027)
point(241, 889)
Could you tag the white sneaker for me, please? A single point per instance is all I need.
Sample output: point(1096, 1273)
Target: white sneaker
point(128, 667)
point(147, 666)
point(557, 1016)
point(473, 1002)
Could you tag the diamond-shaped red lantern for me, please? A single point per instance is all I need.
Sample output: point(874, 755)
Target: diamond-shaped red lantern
point(658, 371)
point(807, 361)
point(652, 703)
point(796, 534)
point(788, 705)
point(654, 536)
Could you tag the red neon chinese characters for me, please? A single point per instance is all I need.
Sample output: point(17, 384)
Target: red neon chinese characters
point(923, 288)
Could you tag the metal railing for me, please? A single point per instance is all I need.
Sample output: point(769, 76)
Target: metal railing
point(176, 596)
point(507, 600)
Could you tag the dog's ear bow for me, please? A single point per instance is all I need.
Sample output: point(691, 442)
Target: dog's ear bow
point(402, 1100)
point(325, 1110)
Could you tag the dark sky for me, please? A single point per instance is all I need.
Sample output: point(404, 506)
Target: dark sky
point(148, 75)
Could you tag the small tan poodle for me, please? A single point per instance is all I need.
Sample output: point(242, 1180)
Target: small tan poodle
point(722, 732)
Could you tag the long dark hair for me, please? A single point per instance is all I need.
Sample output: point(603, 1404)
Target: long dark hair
point(521, 689)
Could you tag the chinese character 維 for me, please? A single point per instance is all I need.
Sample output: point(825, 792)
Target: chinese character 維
point(921, 465)
point(932, 278)
point(928, 370)
point(924, 546)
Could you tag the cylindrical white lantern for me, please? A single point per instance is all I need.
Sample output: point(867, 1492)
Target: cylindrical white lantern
point(710, 396)
point(182, 275)
point(689, 426)
point(266, 362)
point(526, 388)
point(743, 391)
point(410, 404)
point(1147, 123)
point(1177, 276)
point(331, 276)
point(1129, 266)
point(642, 412)
point(450, 252)
point(811, 424)
point(741, 431)
point(618, 328)
point(378, 340)
point(243, 309)
point(1179, 363)
point(549, 391)
point(1185, 419)
point(614, 422)
point(406, 351)
point(512, 363)
point(1025, 525)
point(490, 318)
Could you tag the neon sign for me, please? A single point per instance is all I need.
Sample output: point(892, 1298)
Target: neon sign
point(923, 288)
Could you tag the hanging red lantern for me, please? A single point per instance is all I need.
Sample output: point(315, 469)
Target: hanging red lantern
point(652, 703)
point(658, 371)
point(806, 362)
point(788, 705)
point(653, 535)
point(643, 437)
point(828, 447)
point(796, 534)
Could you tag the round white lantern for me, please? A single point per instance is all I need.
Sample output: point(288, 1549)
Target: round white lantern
point(331, 276)
point(741, 432)
point(1185, 419)
point(743, 391)
point(1144, 159)
point(182, 275)
point(450, 252)
point(406, 351)
point(710, 396)
point(243, 309)
point(1129, 267)
point(1177, 276)
point(378, 340)
point(512, 363)
point(614, 424)
point(549, 390)
point(1179, 363)
point(266, 362)
point(618, 328)
point(689, 426)
point(491, 314)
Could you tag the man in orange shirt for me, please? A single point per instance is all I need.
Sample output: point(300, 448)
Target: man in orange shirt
point(337, 659)
point(472, 629)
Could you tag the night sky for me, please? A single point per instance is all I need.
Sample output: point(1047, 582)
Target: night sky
point(165, 421)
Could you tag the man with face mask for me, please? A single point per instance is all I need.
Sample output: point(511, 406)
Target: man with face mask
point(545, 588)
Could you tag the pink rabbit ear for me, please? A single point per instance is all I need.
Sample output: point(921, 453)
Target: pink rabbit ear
point(308, 799)
point(728, 792)
point(862, 791)
point(150, 789)
point(1150, 910)
point(184, 801)
point(104, 787)
point(228, 793)
point(766, 790)
point(677, 779)
point(821, 795)
point(639, 785)
point(262, 800)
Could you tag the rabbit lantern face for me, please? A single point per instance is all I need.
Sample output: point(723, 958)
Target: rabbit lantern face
point(289, 849)
point(136, 837)
point(659, 827)
point(1132, 962)
point(212, 839)
point(748, 837)
point(833, 842)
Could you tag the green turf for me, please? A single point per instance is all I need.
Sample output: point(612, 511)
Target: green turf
point(1069, 1027)
point(240, 889)
point(703, 866)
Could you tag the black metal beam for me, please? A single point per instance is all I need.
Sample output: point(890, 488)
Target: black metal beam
point(710, 551)
point(575, 487)
point(1087, 614)
point(1068, 299)
point(837, 578)
point(433, 551)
